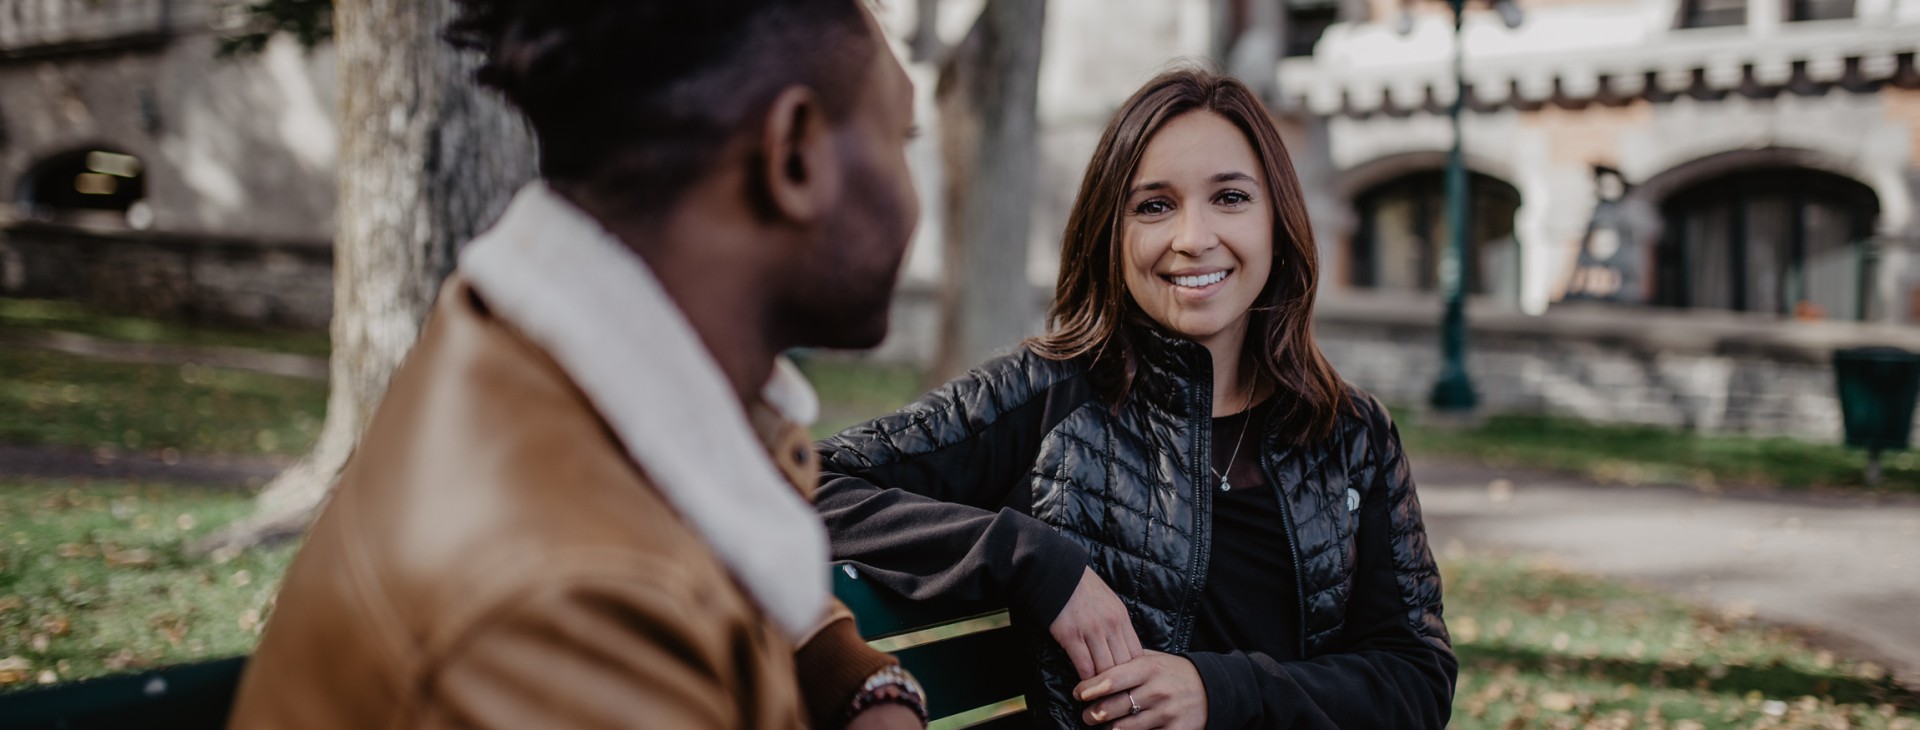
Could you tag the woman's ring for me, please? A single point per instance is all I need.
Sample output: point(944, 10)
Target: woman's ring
point(1131, 701)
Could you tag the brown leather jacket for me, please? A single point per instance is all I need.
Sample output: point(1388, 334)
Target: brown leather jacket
point(493, 559)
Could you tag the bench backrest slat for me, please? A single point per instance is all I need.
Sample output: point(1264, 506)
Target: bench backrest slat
point(966, 658)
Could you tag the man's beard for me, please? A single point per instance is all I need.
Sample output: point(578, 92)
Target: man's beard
point(844, 299)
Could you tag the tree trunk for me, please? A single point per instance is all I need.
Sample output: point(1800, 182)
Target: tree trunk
point(428, 160)
point(988, 97)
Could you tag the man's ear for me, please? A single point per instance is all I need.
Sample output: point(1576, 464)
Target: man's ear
point(801, 171)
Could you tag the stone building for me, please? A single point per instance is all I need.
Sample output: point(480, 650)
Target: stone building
point(141, 171)
point(1769, 150)
point(1679, 208)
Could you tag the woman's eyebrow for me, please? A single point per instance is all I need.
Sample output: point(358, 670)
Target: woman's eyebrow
point(1143, 187)
point(1230, 176)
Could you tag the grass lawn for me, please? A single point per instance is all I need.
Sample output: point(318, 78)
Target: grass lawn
point(94, 581)
point(1651, 455)
point(55, 399)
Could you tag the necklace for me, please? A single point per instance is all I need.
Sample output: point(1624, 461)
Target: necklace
point(1224, 486)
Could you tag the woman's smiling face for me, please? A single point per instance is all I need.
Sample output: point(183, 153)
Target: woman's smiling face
point(1197, 228)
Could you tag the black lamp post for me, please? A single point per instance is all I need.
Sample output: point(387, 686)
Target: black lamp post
point(1453, 392)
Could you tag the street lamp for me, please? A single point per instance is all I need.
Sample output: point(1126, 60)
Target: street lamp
point(1453, 392)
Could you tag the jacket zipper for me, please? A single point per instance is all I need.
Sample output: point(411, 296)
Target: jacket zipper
point(1293, 539)
point(1202, 507)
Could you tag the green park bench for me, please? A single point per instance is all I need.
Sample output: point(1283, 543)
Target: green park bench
point(970, 662)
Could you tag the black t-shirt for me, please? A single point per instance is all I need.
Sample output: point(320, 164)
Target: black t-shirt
point(1248, 603)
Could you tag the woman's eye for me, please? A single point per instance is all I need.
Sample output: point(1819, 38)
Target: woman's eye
point(1152, 207)
point(1234, 198)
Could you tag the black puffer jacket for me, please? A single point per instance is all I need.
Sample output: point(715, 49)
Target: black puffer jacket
point(999, 486)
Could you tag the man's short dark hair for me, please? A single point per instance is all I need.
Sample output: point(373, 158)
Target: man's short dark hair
point(640, 95)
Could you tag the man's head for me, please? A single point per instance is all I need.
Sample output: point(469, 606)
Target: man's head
point(771, 131)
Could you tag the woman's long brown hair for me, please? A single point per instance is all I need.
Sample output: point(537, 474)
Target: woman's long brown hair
point(1092, 309)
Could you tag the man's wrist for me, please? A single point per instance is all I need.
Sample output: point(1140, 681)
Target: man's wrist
point(891, 685)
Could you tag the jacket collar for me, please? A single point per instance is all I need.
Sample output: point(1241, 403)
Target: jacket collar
point(554, 273)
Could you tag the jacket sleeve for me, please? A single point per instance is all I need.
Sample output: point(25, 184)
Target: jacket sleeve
point(1392, 664)
point(833, 664)
point(930, 500)
point(595, 651)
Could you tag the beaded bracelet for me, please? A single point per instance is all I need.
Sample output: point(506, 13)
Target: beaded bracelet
point(890, 686)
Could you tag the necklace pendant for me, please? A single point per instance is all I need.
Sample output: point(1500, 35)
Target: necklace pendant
point(1224, 486)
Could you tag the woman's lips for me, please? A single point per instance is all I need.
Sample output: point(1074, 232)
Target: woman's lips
point(1198, 286)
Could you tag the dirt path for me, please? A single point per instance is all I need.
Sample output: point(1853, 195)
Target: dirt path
point(37, 462)
point(1846, 567)
point(233, 358)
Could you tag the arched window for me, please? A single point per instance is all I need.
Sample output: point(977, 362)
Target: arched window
point(1790, 241)
point(83, 180)
point(1403, 232)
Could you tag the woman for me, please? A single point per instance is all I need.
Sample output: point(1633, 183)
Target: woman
point(1173, 465)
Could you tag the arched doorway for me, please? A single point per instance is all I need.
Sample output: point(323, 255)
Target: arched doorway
point(1785, 240)
point(1403, 232)
point(83, 180)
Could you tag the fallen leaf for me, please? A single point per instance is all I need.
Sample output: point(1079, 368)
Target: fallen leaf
point(14, 669)
point(1557, 702)
point(121, 660)
point(135, 558)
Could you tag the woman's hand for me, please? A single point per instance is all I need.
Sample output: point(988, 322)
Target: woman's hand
point(1166, 687)
point(1094, 628)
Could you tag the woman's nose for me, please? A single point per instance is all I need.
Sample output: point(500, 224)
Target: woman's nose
point(1192, 234)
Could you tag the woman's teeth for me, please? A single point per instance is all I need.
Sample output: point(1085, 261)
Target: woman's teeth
point(1201, 280)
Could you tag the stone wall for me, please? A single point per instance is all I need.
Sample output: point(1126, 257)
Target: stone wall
point(1698, 371)
point(195, 278)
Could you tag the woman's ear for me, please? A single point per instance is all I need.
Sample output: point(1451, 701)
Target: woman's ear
point(800, 171)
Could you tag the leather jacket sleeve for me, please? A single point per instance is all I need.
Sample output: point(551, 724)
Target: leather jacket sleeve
point(1392, 665)
point(925, 498)
point(594, 651)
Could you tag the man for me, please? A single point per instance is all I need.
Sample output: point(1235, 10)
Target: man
point(583, 502)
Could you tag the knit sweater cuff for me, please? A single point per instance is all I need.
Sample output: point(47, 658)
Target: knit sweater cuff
point(832, 668)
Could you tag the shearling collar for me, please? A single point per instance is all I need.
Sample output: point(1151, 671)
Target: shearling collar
point(554, 273)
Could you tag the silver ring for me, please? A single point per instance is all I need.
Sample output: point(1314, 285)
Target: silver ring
point(1130, 701)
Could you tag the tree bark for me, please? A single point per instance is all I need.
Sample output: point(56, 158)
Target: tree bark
point(428, 161)
point(988, 96)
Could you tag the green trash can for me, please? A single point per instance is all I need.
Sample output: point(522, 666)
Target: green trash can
point(1878, 387)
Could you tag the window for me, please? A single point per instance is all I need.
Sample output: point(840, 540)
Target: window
point(1712, 13)
point(83, 180)
point(1785, 240)
point(1307, 20)
point(1403, 231)
point(1819, 9)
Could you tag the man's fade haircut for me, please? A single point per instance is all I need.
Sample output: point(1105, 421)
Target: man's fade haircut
point(639, 96)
